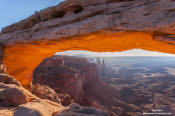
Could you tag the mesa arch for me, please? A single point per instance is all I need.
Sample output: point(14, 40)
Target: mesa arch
point(98, 25)
point(22, 58)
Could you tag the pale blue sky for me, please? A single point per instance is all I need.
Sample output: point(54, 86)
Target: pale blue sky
point(12, 11)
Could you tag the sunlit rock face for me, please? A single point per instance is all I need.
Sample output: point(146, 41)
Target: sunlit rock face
point(94, 25)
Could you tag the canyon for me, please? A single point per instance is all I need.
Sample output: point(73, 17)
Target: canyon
point(94, 25)
point(141, 80)
point(79, 78)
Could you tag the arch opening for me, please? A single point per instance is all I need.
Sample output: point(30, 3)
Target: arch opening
point(139, 77)
point(22, 58)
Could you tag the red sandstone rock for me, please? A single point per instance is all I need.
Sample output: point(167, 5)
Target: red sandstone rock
point(79, 78)
point(79, 17)
point(63, 79)
point(77, 110)
point(17, 101)
point(65, 99)
point(2, 68)
point(12, 95)
point(38, 108)
point(45, 92)
point(4, 78)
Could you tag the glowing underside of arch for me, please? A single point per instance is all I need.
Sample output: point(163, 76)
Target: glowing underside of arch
point(22, 58)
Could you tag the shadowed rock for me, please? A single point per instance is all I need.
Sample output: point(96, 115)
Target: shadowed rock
point(77, 110)
point(12, 95)
point(6, 79)
point(45, 92)
point(38, 108)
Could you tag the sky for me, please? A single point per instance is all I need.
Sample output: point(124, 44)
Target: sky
point(12, 11)
point(133, 52)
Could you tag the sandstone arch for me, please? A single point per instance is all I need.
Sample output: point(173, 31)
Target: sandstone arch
point(99, 26)
point(22, 58)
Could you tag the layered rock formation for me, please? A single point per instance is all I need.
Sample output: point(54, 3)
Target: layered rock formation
point(63, 78)
point(17, 101)
point(79, 78)
point(78, 17)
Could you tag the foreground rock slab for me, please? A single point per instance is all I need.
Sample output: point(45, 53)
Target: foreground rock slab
point(12, 93)
point(38, 108)
point(7, 111)
point(76, 110)
point(15, 100)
